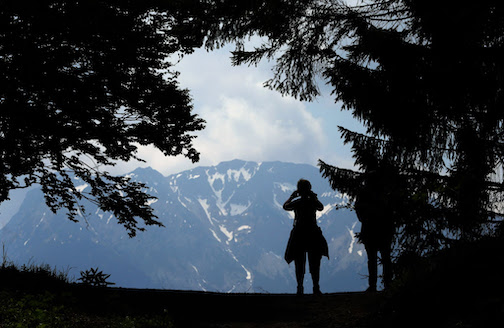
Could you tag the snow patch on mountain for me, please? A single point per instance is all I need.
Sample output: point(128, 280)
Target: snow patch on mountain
point(204, 204)
point(285, 187)
point(229, 234)
point(236, 174)
point(354, 239)
point(213, 177)
point(326, 210)
point(244, 227)
point(238, 209)
point(151, 201)
point(81, 187)
point(215, 236)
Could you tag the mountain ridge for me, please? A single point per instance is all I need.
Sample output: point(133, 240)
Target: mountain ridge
point(225, 230)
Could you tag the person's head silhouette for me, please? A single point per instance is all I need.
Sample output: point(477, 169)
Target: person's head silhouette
point(304, 187)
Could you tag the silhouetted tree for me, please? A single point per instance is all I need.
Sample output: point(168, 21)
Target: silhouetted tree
point(82, 84)
point(424, 77)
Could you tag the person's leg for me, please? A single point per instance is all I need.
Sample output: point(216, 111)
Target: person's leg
point(314, 263)
point(300, 263)
point(387, 266)
point(372, 266)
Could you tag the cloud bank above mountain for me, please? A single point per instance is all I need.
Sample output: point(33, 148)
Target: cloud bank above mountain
point(246, 120)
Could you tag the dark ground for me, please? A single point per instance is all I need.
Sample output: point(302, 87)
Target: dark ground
point(200, 309)
point(38, 297)
point(77, 306)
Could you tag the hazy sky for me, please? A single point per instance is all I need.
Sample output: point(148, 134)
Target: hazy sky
point(245, 120)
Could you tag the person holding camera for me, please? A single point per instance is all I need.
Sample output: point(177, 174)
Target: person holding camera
point(306, 236)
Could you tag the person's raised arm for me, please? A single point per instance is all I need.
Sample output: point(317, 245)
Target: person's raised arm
point(288, 203)
point(318, 205)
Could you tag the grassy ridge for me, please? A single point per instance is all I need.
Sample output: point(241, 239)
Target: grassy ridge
point(39, 296)
point(34, 296)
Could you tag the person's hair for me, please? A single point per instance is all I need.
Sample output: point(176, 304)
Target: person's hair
point(303, 186)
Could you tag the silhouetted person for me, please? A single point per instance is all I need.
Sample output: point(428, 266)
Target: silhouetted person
point(374, 211)
point(306, 237)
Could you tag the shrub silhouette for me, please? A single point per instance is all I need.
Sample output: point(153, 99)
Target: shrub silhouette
point(93, 277)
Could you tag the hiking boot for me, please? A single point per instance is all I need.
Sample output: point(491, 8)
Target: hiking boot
point(371, 289)
point(316, 291)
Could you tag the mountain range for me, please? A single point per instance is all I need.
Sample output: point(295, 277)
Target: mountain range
point(224, 230)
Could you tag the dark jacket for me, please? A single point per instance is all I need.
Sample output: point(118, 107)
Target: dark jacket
point(374, 209)
point(306, 235)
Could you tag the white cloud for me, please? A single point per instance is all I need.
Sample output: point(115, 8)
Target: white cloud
point(272, 129)
point(247, 121)
point(244, 119)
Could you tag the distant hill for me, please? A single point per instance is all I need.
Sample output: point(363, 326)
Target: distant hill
point(225, 230)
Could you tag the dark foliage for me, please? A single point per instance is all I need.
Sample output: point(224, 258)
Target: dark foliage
point(82, 84)
point(458, 287)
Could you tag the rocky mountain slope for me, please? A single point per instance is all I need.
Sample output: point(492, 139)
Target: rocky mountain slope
point(225, 230)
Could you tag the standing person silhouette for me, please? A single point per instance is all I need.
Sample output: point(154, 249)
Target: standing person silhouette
point(374, 209)
point(306, 236)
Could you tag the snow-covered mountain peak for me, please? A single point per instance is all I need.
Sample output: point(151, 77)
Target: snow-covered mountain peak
point(225, 230)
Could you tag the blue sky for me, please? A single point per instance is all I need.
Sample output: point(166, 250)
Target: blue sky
point(248, 121)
